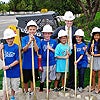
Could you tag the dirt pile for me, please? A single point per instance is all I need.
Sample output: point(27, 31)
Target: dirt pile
point(69, 95)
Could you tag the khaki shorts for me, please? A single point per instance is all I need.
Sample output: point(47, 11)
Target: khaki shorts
point(12, 83)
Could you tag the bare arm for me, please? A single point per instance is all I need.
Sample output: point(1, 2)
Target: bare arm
point(14, 63)
point(79, 59)
point(96, 55)
point(1, 48)
point(63, 57)
point(1, 54)
point(26, 47)
point(50, 48)
point(36, 48)
point(28, 44)
point(11, 65)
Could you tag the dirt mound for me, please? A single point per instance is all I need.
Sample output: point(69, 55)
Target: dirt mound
point(69, 95)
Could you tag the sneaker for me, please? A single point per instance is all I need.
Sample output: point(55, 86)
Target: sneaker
point(80, 89)
point(26, 93)
point(12, 98)
point(62, 88)
point(56, 89)
point(48, 90)
point(40, 90)
point(31, 93)
point(27, 96)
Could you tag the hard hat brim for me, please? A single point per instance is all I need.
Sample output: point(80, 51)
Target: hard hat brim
point(47, 31)
point(94, 33)
point(62, 36)
point(72, 18)
point(9, 37)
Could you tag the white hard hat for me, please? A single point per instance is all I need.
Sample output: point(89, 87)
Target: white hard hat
point(95, 30)
point(62, 33)
point(68, 16)
point(79, 32)
point(33, 23)
point(8, 33)
point(47, 28)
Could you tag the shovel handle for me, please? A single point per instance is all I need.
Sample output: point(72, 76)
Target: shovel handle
point(47, 72)
point(33, 73)
point(91, 67)
point(5, 76)
point(75, 70)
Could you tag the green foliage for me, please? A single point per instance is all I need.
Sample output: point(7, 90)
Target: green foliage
point(3, 7)
point(87, 77)
point(95, 22)
point(1, 78)
point(21, 6)
point(82, 23)
point(59, 6)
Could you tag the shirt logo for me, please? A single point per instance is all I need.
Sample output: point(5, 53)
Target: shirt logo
point(78, 49)
point(45, 47)
point(9, 54)
point(64, 53)
point(95, 48)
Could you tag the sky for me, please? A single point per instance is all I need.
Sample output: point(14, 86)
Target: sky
point(6, 1)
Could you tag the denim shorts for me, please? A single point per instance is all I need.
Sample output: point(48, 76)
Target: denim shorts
point(96, 63)
point(52, 73)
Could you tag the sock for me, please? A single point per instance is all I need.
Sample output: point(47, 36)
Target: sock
point(49, 85)
point(41, 86)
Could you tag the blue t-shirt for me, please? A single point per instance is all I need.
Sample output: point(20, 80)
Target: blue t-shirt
point(43, 52)
point(27, 55)
point(11, 54)
point(95, 47)
point(61, 50)
point(79, 51)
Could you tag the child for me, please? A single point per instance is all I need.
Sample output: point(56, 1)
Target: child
point(62, 53)
point(11, 58)
point(96, 57)
point(27, 55)
point(81, 57)
point(47, 32)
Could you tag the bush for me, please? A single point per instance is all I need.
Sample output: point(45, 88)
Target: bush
point(87, 27)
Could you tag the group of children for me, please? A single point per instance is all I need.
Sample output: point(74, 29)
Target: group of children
point(58, 53)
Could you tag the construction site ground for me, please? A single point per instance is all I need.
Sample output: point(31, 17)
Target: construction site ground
point(69, 95)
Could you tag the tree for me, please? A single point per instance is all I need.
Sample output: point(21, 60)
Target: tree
point(89, 7)
point(13, 4)
point(59, 6)
point(3, 7)
point(21, 6)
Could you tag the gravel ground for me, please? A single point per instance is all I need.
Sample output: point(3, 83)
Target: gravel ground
point(69, 95)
